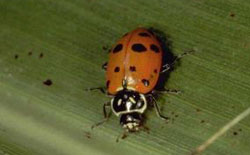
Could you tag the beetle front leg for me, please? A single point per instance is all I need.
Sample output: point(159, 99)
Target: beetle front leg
point(106, 116)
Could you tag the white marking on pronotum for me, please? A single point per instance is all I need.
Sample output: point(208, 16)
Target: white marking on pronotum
point(128, 106)
point(119, 102)
point(145, 104)
point(132, 100)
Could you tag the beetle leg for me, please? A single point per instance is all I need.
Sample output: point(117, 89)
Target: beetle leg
point(167, 91)
point(104, 66)
point(101, 89)
point(106, 48)
point(106, 116)
point(157, 110)
point(166, 67)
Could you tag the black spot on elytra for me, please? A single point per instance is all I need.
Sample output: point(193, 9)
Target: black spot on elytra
point(154, 48)
point(235, 133)
point(117, 48)
point(155, 71)
point(139, 48)
point(48, 82)
point(145, 82)
point(16, 56)
point(107, 83)
point(144, 34)
point(41, 55)
point(117, 69)
point(132, 68)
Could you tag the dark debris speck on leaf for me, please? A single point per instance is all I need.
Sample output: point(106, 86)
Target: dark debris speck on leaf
point(48, 82)
point(235, 133)
point(87, 135)
point(232, 14)
point(198, 110)
point(105, 48)
point(41, 55)
point(16, 56)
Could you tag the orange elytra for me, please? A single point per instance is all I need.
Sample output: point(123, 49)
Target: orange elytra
point(134, 62)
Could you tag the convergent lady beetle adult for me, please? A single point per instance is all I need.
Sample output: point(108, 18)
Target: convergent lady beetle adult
point(132, 72)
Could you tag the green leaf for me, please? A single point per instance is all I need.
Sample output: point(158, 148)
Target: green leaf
point(62, 41)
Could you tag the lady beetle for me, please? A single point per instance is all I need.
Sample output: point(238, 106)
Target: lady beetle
point(132, 72)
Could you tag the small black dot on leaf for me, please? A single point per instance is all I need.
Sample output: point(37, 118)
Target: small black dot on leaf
point(16, 56)
point(232, 15)
point(41, 55)
point(105, 48)
point(47, 82)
